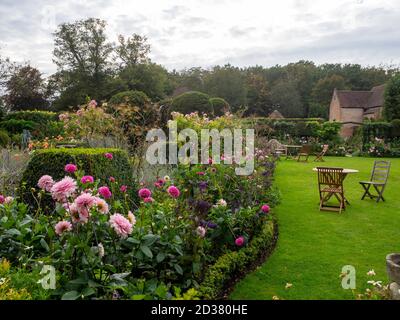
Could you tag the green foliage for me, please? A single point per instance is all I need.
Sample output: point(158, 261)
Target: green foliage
point(92, 161)
point(134, 98)
point(395, 132)
point(193, 101)
point(37, 116)
point(391, 108)
point(329, 132)
point(17, 126)
point(232, 264)
point(4, 138)
point(220, 106)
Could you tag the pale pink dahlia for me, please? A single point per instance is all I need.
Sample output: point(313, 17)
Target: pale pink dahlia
point(121, 225)
point(63, 189)
point(62, 226)
point(102, 205)
point(173, 191)
point(45, 183)
point(201, 231)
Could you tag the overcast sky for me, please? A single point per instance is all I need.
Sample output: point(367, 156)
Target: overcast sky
point(203, 33)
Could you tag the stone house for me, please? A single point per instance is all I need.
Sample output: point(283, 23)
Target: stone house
point(352, 107)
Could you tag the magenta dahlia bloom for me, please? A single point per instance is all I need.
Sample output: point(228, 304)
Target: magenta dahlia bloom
point(123, 188)
point(87, 179)
point(63, 226)
point(144, 193)
point(239, 241)
point(63, 189)
point(45, 183)
point(173, 191)
point(111, 179)
point(2, 199)
point(70, 168)
point(265, 208)
point(200, 173)
point(121, 225)
point(105, 192)
point(148, 200)
point(108, 155)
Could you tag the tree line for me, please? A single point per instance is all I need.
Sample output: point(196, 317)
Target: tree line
point(89, 65)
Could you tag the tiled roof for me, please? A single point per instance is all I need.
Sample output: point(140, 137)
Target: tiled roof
point(361, 99)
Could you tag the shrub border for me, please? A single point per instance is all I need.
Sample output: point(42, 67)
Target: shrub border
point(222, 276)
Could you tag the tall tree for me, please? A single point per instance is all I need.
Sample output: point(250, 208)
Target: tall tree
point(323, 90)
point(258, 95)
point(132, 50)
point(26, 90)
point(391, 108)
point(82, 54)
point(286, 99)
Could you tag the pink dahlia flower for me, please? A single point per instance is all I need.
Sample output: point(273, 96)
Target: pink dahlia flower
point(70, 168)
point(265, 208)
point(200, 173)
point(121, 225)
point(63, 226)
point(105, 192)
point(8, 200)
point(239, 241)
point(123, 188)
point(131, 218)
point(63, 189)
point(108, 155)
point(92, 104)
point(87, 179)
point(102, 205)
point(111, 179)
point(148, 200)
point(144, 193)
point(45, 183)
point(85, 201)
point(2, 199)
point(173, 191)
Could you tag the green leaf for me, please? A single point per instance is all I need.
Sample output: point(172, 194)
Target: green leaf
point(133, 240)
point(88, 292)
point(146, 250)
point(70, 295)
point(13, 232)
point(178, 269)
point(138, 297)
point(149, 239)
point(44, 244)
point(160, 257)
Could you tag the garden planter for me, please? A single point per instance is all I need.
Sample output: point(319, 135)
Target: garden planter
point(393, 267)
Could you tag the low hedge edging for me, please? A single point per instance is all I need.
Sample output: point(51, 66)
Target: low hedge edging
point(231, 266)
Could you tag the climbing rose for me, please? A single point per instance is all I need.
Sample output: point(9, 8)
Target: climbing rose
point(70, 168)
point(265, 208)
point(173, 191)
point(121, 225)
point(108, 155)
point(239, 241)
point(63, 189)
point(87, 179)
point(105, 192)
point(63, 226)
point(144, 193)
point(45, 183)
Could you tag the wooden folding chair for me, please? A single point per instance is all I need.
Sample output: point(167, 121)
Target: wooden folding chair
point(304, 152)
point(379, 177)
point(320, 156)
point(330, 183)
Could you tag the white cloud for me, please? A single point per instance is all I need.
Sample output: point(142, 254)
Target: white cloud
point(202, 33)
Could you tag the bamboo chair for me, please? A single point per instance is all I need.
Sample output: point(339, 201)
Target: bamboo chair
point(304, 152)
point(330, 183)
point(320, 156)
point(379, 177)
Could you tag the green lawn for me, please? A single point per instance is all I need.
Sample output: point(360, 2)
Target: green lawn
point(313, 245)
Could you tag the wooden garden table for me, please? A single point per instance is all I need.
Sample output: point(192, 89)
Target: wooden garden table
point(290, 149)
point(345, 172)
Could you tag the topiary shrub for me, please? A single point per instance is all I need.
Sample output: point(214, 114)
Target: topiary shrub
point(4, 138)
point(192, 101)
point(92, 161)
point(132, 97)
point(220, 106)
point(37, 116)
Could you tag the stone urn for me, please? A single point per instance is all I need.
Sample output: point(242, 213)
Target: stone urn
point(393, 270)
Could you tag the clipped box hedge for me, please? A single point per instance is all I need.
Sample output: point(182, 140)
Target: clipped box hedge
point(91, 160)
point(231, 266)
